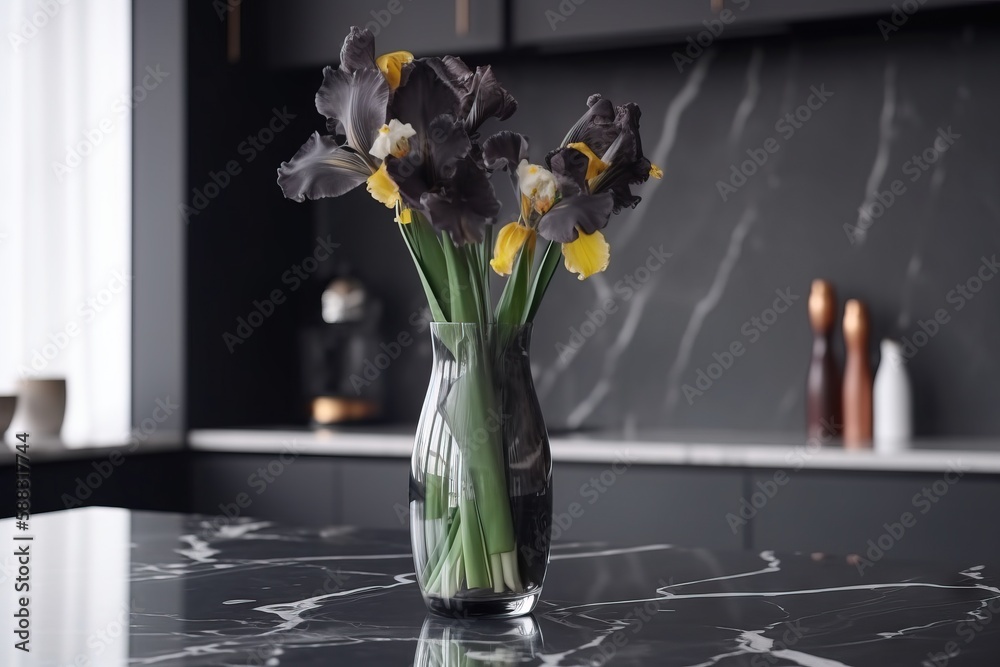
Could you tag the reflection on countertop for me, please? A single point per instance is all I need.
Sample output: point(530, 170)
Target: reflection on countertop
point(113, 588)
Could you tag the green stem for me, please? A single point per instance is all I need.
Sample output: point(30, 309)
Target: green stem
point(426, 271)
point(476, 568)
point(446, 547)
point(546, 269)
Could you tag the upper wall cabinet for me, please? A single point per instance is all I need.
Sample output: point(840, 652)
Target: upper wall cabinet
point(306, 33)
point(575, 24)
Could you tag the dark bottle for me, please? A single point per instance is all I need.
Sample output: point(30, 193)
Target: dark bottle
point(858, 384)
point(823, 407)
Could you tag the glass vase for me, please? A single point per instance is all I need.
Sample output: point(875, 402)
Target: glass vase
point(481, 476)
point(497, 643)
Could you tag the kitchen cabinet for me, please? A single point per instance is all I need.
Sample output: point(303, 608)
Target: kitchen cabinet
point(643, 504)
point(591, 502)
point(302, 490)
point(725, 508)
point(587, 24)
point(943, 517)
point(876, 515)
point(307, 33)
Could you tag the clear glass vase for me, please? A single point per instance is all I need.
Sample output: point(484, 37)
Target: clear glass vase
point(497, 643)
point(481, 476)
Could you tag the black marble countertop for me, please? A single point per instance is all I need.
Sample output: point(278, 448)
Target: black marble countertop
point(111, 587)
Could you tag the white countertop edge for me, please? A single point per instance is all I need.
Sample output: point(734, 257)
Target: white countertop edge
point(586, 450)
point(53, 449)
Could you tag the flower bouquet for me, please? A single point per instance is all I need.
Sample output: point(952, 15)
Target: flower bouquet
point(408, 128)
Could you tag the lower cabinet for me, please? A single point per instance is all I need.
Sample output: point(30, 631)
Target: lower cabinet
point(946, 517)
point(928, 516)
point(925, 516)
point(616, 503)
point(645, 504)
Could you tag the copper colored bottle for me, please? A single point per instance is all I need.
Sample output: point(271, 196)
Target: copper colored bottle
point(823, 386)
point(857, 377)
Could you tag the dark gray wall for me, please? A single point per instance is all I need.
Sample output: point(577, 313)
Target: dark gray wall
point(784, 227)
point(781, 229)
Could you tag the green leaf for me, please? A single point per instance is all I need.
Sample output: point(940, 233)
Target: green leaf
point(436, 304)
point(513, 300)
point(485, 257)
point(463, 302)
point(424, 245)
point(467, 410)
point(477, 571)
point(547, 268)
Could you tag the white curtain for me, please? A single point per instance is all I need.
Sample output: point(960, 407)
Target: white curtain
point(65, 206)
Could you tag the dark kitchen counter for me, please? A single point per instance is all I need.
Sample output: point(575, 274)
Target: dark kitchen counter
point(113, 588)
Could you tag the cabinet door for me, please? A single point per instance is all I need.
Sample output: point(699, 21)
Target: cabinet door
point(602, 23)
point(301, 491)
point(374, 493)
point(638, 505)
point(306, 33)
point(910, 516)
point(586, 24)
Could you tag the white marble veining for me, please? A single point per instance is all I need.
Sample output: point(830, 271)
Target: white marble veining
point(706, 305)
point(603, 604)
point(882, 151)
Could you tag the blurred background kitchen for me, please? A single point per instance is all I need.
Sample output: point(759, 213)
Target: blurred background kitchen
point(206, 328)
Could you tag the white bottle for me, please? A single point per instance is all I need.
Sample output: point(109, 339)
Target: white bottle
point(893, 404)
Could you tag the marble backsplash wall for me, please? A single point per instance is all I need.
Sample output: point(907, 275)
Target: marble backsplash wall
point(839, 155)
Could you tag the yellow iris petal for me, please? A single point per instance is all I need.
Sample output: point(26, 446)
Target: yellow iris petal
point(587, 255)
point(405, 216)
point(655, 171)
point(596, 166)
point(509, 241)
point(391, 66)
point(382, 188)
